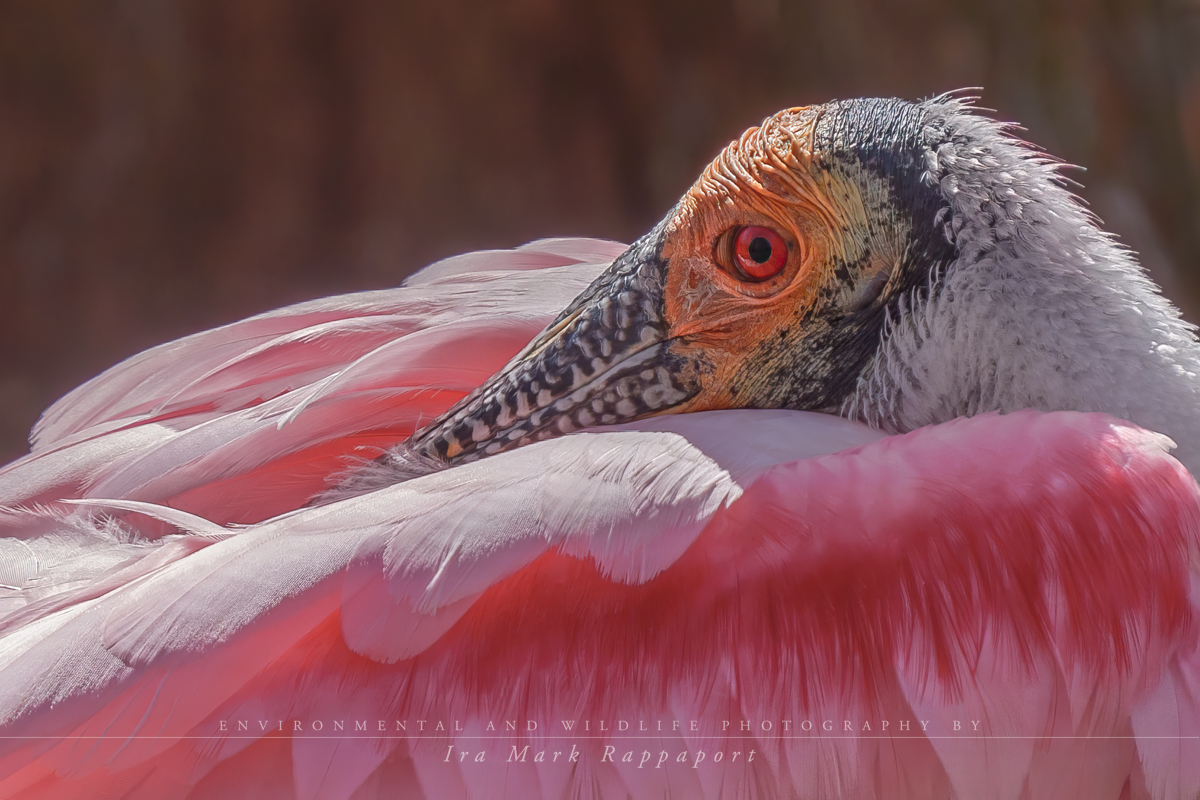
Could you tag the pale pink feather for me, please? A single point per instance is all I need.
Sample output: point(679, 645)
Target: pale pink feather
point(1034, 573)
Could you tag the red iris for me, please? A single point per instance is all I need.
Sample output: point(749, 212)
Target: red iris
point(759, 252)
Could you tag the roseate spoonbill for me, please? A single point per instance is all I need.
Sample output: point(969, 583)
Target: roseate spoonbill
point(234, 570)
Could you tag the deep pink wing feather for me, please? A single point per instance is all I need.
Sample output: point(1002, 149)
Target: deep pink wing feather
point(1030, 573)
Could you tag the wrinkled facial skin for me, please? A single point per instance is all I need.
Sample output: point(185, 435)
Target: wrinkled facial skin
point(780, 343)
point(674, 325)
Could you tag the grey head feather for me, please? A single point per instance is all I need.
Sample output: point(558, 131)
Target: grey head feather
point(1039, 308)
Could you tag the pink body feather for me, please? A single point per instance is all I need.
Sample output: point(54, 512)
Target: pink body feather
point(997, 607)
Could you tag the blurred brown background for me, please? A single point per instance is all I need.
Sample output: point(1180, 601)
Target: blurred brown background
point(169, 165)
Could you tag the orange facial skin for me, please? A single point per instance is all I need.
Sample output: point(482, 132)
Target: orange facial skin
point(768, 177)
point(701, 313)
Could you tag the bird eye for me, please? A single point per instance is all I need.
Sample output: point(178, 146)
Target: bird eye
point(759, 253)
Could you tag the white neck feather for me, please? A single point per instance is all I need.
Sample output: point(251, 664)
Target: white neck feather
point(1040, 310)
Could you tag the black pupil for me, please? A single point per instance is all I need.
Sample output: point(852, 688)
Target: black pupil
point(759, 250)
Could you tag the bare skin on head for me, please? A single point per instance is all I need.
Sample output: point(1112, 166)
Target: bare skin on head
point(768, 177)
point(766, 286)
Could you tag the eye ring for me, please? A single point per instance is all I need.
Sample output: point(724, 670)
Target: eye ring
point(758, 253)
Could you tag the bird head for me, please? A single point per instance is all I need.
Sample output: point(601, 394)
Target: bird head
point(900, 263)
